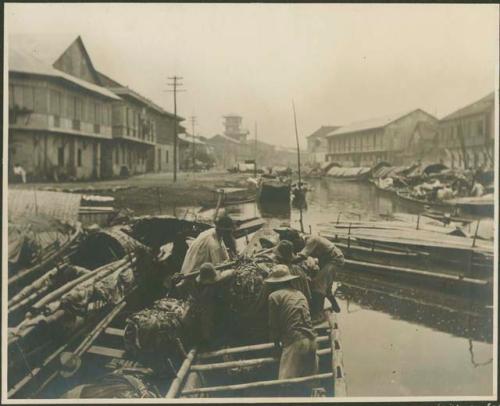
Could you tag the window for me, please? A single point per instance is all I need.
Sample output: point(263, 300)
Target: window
point(117, 156)
point(70, 106)
point(60, 156)
point(79, 157)
point(166, 156)
point(480, 128)
point(78, 108)
point(28, 97)
point(98, 113)
point(55, 102)
point(41, 99)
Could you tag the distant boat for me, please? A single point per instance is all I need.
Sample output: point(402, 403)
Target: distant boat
point(274, 190)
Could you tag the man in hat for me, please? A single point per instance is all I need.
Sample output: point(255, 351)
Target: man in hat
point(329, 258)
point(205, 292)
point(283, 254)
point(290, 325)
point(210, 245)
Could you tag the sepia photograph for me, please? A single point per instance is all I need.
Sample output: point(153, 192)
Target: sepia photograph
point(250, 202)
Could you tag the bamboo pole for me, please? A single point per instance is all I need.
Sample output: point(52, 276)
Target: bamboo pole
point(179, 379)
point(246, 348)
point(102, 271)
point(246, 362)
point(259, 384)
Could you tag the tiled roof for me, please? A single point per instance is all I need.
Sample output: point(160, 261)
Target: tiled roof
point(482, 105)
point(189, 138)
point(373, 123)
point(24, 62)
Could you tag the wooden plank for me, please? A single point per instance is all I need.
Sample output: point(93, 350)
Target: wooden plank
point(258, 384)
point(436, 275)
point(115, 331)
point(106, 351)
point(247, 362)
point(181, 374)
point(247, 348)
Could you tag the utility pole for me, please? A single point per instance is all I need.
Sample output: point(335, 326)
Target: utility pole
point(255, 154)
point(193, 121)
point(175, 89)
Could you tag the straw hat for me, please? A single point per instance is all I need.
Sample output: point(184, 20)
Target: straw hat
point(70, 364)
point(280, 273)
point(208, 275)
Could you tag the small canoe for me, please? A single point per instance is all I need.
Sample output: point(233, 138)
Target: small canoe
point(252, 370)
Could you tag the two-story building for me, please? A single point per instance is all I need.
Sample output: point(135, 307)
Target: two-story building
point(317, 144)
point(367, 142)
point(142, 133)
point(59, 112)
point(467, 136)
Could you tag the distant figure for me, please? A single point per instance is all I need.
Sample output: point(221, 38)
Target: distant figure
point(209, 246)
point(477, 189)
point(290, 326)
point(19, 171)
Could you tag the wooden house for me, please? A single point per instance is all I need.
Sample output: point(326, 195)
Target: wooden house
point(59, 112)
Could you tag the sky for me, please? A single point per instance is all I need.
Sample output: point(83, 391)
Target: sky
point(338, 63)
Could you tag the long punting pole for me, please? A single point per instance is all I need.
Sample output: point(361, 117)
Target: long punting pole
point(298, 162)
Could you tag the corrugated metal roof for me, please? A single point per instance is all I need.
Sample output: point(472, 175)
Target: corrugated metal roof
point(189, 138)
point(224, 137)
point(372, 123)
point(480, 106)
point(25, 62)
point(324, 130)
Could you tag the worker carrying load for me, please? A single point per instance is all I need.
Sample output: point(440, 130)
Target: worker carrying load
point(209, 246)
point(323, 274)
point(290, 325)
point(207, 297)
point(283, 254)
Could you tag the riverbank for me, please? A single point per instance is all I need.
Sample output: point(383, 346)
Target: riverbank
point(153, 192)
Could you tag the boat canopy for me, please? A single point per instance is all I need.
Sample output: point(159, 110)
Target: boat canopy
point(347, 172)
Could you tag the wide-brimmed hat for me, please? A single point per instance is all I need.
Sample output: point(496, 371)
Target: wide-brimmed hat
point(208, 274)
point(70, 364)
point(225, 223)
point(284, 250)
point(280, 273)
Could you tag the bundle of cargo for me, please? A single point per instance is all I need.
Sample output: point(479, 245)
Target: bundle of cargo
point(172, 325)
point(159, 330)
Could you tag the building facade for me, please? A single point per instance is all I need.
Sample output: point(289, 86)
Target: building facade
point(317, 144)
point(467, 136)
point(142, 134)
point(59, 114)
point(382, 139)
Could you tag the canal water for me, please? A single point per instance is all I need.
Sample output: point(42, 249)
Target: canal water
point(397, 341)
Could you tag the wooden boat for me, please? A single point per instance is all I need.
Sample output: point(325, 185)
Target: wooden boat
point(58, 252)
point(229, 197)
point(356, 174)
point(251, 371)
point(274, 190)
point(478, 206)
point(405, 196)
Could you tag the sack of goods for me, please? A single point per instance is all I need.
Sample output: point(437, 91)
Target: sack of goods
point(157, 329)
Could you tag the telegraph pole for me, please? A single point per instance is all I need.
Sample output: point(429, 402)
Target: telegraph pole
point(255, 153)
point(175, 89)
point(193, 122)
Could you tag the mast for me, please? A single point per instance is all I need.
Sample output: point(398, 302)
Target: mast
point(298, 163)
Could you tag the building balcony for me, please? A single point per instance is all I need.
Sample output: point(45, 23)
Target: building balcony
point(130, 134)
point(57, 124)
